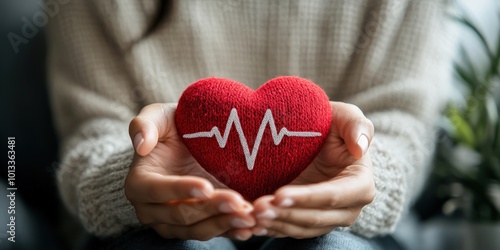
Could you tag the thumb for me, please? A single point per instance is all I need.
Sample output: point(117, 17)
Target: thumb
point(154, 122)
point(355, 129)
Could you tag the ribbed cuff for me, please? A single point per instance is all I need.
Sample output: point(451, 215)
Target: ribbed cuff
point(380, 217)
point(104, 209)
point(92, 174)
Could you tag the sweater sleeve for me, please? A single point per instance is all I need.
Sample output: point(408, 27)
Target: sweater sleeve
point(93, 101)
point(402, 74)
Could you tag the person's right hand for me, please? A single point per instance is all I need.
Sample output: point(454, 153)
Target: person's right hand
point(171, 192)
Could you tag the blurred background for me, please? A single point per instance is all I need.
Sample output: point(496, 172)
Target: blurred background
point(26, 116)
point(459, 210)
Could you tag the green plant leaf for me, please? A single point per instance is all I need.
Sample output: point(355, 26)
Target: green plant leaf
point(477, 126)
point(492, 111)
point(496, 141)
point(473, 75)
point(494, 163)
point(463, 131)
point(487, 111)
point(467, 78)
point(495, 65)
point(465, 21)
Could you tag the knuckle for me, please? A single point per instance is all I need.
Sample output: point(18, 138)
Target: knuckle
point(285, 214)
point(369, 192)
point(332, 199)
point(350, 106)
point(281, 227)
point(366, 189)
point(352, 216)
point(143, 218)
point(165, 111)
point(152, 106)
point(370, 196)
point(354, 109)
point(315, 221)
point(156, 105)
point(363, 121)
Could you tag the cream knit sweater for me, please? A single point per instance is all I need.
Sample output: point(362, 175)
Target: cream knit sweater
point(386, 56)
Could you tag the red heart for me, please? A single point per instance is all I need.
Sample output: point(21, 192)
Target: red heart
point(254, 141)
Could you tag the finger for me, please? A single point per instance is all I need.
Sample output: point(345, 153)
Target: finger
point(309, 218)
point(354, 187)
point(298, 223)
point(262, 203)
point(207, 229)
point(153, 122)
point(189, 212)
point(238, 234)
point(275, 234)
point(278, 229)
point(148, 187)
point(353, 127)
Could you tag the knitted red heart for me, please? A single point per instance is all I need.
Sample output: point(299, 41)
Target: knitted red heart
point(254, 141)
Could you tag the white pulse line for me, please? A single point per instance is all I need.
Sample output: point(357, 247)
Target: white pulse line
point(250, 157)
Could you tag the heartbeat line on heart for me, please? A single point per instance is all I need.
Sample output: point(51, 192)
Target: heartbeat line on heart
point(250, 156)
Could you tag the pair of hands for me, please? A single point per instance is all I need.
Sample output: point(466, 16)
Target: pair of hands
point(175, 196)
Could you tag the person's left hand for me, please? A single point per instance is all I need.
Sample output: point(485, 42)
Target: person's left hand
point(330, 192)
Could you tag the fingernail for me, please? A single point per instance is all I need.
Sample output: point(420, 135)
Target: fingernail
point(261, 232)
point(363, 143)
point(197, 193)
point(138, 140)
point(226, 208)
point(267, 214)
point(246, 209)
point(287, 202)
point(239, 223)
point(239, 237)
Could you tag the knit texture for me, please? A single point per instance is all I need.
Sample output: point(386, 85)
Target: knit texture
point(106, 61)
point(254, 141)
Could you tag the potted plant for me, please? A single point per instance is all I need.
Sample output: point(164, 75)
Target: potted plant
point(467, 162)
